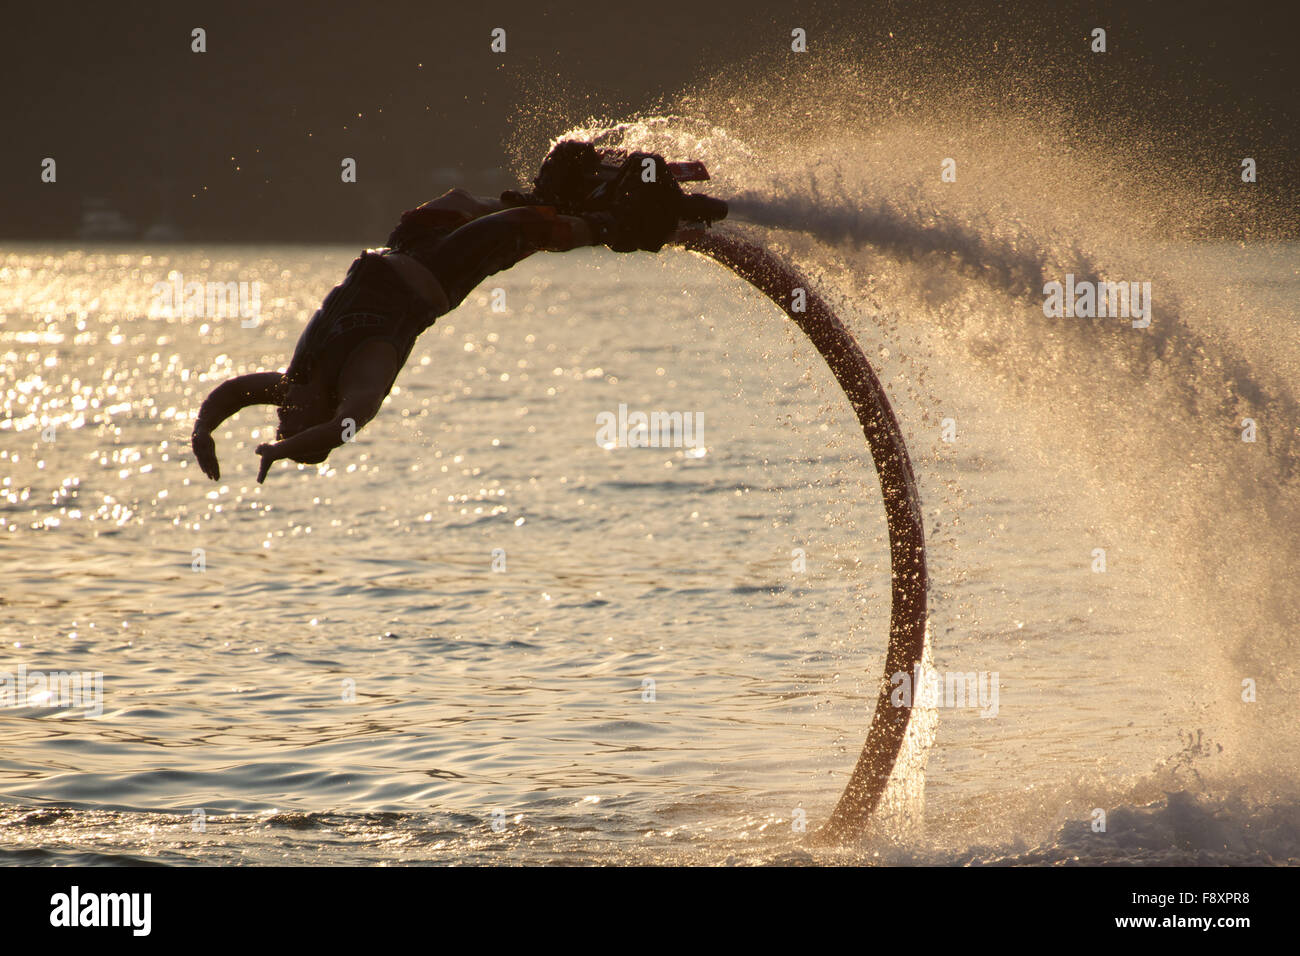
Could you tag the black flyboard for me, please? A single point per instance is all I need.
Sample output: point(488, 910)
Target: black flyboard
point(694, 207)
point(907, 618)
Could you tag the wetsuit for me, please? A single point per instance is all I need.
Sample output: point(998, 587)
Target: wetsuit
point(372, 302)
point(377, 300)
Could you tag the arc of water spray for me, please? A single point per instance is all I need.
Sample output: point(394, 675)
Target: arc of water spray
point(907, 616)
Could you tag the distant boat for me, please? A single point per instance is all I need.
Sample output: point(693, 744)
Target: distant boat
point(163, 231)
point(100, 221)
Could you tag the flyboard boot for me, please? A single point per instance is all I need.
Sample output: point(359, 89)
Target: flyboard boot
point(631, 201)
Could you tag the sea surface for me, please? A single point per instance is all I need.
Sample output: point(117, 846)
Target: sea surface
point(479, 635)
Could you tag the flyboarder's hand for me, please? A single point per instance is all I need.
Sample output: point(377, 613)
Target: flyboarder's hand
point(205, 450)
point(270, 455)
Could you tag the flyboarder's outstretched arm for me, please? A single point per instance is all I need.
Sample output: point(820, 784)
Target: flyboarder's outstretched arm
point(255, 388)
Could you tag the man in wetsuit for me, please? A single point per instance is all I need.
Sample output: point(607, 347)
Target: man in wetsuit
point(351, 351)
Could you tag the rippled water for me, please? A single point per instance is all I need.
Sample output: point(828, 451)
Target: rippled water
point(505, 715)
